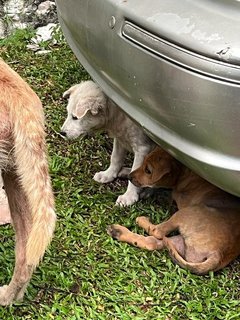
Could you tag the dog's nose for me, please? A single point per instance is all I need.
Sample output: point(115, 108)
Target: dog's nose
point(63, 133)
point(130, 177)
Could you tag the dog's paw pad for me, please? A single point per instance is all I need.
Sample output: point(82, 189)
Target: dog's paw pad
point(114, 231)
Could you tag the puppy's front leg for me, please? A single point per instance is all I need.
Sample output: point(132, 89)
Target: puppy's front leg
point(117, 159)
point(132, 194)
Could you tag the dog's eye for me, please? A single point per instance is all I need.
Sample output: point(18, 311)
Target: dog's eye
point(147, 170)
point(74, 117)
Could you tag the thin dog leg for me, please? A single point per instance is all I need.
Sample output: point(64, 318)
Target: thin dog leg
point(132, 193)
point(157, 230)
point(117, 160)
point(124, 235)
point(22, 221)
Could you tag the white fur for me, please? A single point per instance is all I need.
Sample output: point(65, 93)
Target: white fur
point(95, 111)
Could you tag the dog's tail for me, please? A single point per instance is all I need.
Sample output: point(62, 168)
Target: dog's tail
point(212, 262)
point(32, 168)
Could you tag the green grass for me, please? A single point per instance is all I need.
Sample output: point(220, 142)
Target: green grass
point(85, 274)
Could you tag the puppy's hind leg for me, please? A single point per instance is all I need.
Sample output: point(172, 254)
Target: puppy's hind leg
point(158, 230)
point(22, 220)
point(124, 235)
point(117, 160)
point(212, 261)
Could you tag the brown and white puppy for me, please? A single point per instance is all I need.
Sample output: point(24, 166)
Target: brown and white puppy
point(24, 165)
point(208, 219)
point(90, 110)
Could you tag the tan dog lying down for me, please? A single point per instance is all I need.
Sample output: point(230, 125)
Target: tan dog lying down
point(90, 110)
point(208, 219)
point(24, 165)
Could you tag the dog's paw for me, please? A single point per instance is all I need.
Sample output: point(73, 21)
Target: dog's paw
point(5, 297)
point(115, 231)
point(118, 232)
point(104, 177)
point(127, 199)
point(141, 221)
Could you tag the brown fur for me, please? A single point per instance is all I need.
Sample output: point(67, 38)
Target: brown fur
point(208, 219)
point(26, 179)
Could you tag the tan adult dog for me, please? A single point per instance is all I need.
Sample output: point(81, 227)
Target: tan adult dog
point(24, 164)
point(208, 219)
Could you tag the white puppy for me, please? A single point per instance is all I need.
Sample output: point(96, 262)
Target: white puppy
point(89, 109)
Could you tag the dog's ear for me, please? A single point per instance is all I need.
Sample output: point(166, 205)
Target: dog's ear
point(68, 92)
point(95, 111)
point(81, 113)
point(160, 171)
point(97, 106)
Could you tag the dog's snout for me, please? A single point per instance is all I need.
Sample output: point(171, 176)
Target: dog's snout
point(133, 179)
point(63, 133)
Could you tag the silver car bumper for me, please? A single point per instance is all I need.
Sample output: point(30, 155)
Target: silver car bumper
point(174, 67)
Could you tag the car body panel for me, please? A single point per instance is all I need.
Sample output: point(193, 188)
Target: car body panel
point(173, 69)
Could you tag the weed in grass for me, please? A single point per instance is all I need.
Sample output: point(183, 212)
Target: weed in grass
point(85, 274)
